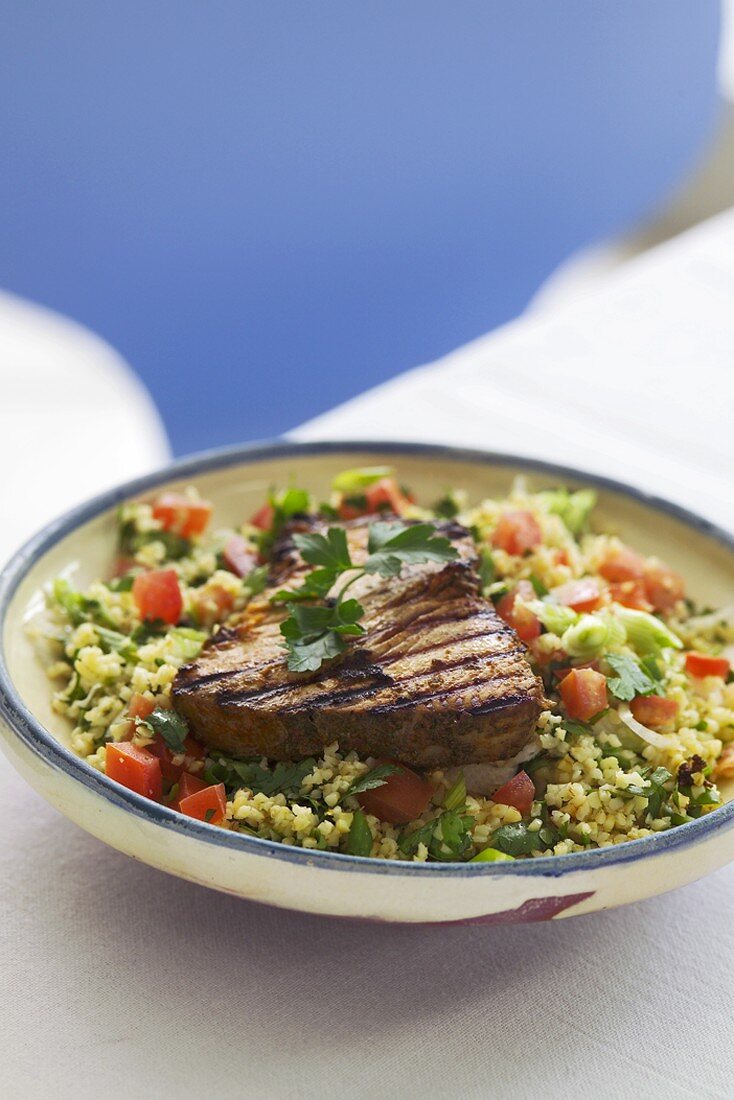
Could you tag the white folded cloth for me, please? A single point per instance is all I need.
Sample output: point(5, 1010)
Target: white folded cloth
point(634, 380)
point(74, 419)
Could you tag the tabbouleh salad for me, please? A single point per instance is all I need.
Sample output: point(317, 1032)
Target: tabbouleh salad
point(639, 729)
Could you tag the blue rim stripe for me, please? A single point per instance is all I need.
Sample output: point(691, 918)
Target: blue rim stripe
point(30, 732)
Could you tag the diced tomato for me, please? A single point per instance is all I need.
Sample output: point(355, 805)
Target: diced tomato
point(630, 594)
point(239, 556)
point(135, 768)
point(182, 515)
point(663, 587)
point(584, 693)
point(349, 511)
point(157, 595)
point(193, 751)
point(525, 624)
point(384, 495)
point(402, 797)
point(263, 517)
point(700, 665)
point(518, 792)
point(581, 595)
point(517, 532)
point(561, 557)
point(139, 706)
point(138, 710)
point(622, 564)
point(187, 785)
point(209, 804)
point(654, 710)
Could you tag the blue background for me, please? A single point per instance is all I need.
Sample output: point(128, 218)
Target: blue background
point(267, 207)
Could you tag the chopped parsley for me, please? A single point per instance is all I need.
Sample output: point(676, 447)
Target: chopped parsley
point(447, 837)
point(630, 680)
point(359, 841)
point(172, 727)
point(373, 779)
point(314, 631)
point(519, 840)
point(283, 778)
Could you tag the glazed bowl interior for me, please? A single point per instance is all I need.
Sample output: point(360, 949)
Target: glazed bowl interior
point(81, 547)
point(236, 491)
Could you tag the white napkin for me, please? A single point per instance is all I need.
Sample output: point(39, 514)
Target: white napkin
point(74, 419)
point(635, 381)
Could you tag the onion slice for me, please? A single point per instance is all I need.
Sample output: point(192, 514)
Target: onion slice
point(651, 736)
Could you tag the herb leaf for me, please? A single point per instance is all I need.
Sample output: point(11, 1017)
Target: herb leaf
point(519, 840)
point(372, 779)
point(285, 504)
point(359, 841)
point(630, 680)
point(576, 728)
point(256, 580)
point(315, 587)
point(447, 836)
point(313, 631)
point(657, 792)
point(309, 656)
point(282, 779)
point(456, 794)
point(447, 506)
point(393, 545)
point(171, 726)
point(409, 842)
point(329, 550)
point(487, 570)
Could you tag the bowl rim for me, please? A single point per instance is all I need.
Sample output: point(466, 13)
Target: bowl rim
point(42, 743)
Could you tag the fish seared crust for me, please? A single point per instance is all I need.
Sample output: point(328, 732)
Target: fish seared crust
point(437, 680)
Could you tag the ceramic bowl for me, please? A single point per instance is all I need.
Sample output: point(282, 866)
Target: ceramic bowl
point(81, 546)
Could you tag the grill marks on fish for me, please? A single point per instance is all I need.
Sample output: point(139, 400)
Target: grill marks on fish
point(437, 679)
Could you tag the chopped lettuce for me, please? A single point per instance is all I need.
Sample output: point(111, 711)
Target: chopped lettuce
point(646, 633)
point(592, 635)
point(574, 508)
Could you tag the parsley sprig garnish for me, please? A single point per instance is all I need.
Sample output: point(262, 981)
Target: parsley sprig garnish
point(631, 677)
point(317, 626)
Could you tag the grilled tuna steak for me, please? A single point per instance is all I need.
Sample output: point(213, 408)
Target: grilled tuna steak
point(437, 679)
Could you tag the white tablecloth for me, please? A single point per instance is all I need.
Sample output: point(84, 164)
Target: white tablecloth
point(122, 982)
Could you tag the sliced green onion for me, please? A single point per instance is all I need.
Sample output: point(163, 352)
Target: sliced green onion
point(646, 633)
point(586, 637)
point(352, 481)
point(540, 588)
point(555, 618)
point(573, 508)
point(592, 634)
point(456, 794)
point(114, 641)
point(359, 840)
point(491, 855)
